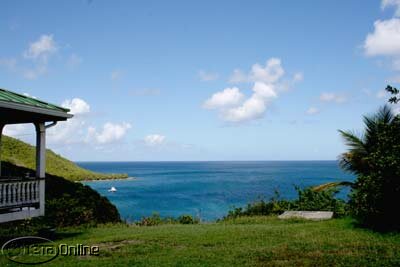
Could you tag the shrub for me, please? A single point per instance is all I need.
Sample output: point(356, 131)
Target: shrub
point(156, 219)
point(308, 199)
point(375, 159)
point(187, 219)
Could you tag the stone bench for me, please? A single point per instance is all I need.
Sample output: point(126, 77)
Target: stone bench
point(308, 215)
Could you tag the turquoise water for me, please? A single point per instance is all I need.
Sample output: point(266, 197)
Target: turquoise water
point(206, 189)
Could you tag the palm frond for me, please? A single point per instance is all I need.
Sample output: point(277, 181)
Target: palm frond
point(353, 141)
point(326, 186)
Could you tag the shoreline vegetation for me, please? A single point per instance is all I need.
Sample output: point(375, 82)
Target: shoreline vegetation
point(22, 154)
point(109, 179)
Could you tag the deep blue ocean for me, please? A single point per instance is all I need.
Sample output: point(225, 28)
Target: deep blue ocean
point(206, 189)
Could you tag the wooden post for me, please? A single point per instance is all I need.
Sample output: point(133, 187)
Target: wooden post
point(1, 133)
point(41, 161)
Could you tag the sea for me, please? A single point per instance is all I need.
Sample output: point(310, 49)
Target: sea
point(207, 190)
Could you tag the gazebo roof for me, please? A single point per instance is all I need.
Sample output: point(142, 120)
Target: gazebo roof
point(17, 108)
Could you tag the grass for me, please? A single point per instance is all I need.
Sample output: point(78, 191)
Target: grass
point(21, 154)
point(248, 241)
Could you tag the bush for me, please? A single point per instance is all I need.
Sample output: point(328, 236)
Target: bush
point(187, 219)
point(376, 195)
point(156, 219)
point(67, 204)
point(308, 199)
point(375, 159)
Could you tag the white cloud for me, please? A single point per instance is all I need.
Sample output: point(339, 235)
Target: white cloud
point(252, 108)
point(39, 52)
point(110, 133)
point(41, 48)
point(332, 97)
point(77, 106)
point(270, 73)
point(154, 139)
point(264, 91)
point(207, 76)
point(227, 97)
point(267, 85)
point(393, 3)
point(17, 130)
point(73, 130)
point(312, 111)
point(385, 39)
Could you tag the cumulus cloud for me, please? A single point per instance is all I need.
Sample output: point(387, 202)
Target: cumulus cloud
point(73, 130)
point(16, 130)
point(41, 48)
point(227, 97)
point(39, 52)
point(266, 79)
point(154, 139)
point(312, 111)
point(110, 133)
point(254, 107)
point(385, 39)
point(77, 106)
point(207, 76)
point(76, 130)
point(332, 97)
point(269, 73)
point(392, 3)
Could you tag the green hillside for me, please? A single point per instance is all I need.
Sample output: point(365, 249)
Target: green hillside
point(21, 154)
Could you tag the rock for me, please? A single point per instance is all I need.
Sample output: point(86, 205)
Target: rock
point(309, 215)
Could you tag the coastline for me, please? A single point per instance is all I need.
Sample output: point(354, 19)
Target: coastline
point(108, 179)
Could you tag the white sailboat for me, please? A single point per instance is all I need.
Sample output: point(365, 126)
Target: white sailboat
point(112, 189)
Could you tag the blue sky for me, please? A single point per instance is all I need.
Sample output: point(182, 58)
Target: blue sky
point(205, 80)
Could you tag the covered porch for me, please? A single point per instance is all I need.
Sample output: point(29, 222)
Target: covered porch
point(24, 197)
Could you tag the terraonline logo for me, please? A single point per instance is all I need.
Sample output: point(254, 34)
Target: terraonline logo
point(37, 250)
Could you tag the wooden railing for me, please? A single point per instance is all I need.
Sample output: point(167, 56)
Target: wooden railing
point(16, 193)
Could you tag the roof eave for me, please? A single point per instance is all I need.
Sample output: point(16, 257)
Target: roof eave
point(62, 115)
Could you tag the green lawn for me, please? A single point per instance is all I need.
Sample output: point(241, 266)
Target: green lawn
point(256, 241)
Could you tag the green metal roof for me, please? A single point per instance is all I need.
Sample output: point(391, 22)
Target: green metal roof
point(8, 96)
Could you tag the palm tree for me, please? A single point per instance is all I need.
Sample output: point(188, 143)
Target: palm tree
point(355, 159)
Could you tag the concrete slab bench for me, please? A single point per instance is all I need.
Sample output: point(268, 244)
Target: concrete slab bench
point(308, 215)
